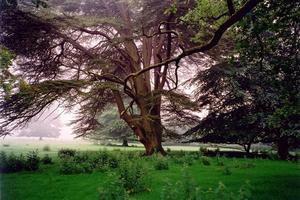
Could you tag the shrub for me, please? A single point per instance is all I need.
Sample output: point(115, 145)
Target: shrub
point(69, 166)
point(113, 190)
point(113, 162)
point(168, 150)
point(104, 160)
point(63, 153)
point(161, 164)
point(47, 160)
point(133, 176)
point(46, 148)
point(11, 163)
point(6, 145)
point(32, 161)
point(80, 157)
point(205, 161)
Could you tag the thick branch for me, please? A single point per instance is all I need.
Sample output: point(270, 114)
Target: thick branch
point(246, 8)
point(230, 6)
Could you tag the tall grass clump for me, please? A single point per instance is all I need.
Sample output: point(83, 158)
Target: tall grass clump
point(161, 164)
point(187, 189)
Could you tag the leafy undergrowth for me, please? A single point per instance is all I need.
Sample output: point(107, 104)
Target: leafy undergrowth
point(96, 175)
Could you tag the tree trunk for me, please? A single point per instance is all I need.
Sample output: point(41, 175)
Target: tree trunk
point(151, 137)
point(125, 142)
point(283, 148)
point(247, 148)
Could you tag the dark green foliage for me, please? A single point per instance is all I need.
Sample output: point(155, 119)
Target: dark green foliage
point(47, 160)
point(32, 161)
point(113, 190)
point(13, 163)
point(226, 170)
point(82, 162)
point(133, 176)
point(161, 164)
point(62, 153)
point(80, 157)
point(69, 166)
point(205, 160)
point(104, 160)
point(254, 95)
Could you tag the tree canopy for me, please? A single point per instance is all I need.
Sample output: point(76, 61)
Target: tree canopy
point(254, 95)
point(91, 53)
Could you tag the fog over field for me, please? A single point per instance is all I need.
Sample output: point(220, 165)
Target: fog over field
point(53, 123)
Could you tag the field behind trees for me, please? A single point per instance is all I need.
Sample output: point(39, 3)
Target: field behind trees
point(98, 172)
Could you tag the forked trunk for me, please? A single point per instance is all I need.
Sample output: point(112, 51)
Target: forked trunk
point(151, 137)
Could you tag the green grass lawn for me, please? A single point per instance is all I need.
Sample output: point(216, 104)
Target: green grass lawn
point(270, 179)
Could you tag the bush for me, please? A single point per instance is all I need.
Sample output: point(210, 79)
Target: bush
point(104, 160)
point(11, 163)
point(113, 190)
point(46, 148)
point(133, 176)
point(63, 153)
point(32, 161)
point(80, 157)
point(47, 160)
point(161, 164)
point(6, 145)
point(69, 166)
point(205, 161)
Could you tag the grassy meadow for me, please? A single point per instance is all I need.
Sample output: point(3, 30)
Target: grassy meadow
point(267, 179)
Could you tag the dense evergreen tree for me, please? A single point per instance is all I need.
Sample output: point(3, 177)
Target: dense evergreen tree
point(255, 95)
